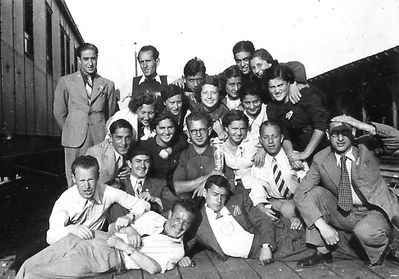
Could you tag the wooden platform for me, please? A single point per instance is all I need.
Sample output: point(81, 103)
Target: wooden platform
point(208, 266)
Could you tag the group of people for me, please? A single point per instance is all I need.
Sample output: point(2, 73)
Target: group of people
point(251, 154)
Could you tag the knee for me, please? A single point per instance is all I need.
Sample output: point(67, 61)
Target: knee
point(287, 209)
point(369, 233)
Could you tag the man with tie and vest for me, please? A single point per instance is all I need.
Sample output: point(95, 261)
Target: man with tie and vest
point(83, 101)
point(138, 184)
point(231, 226)
point(273, 185)
point(114, 158)
point(344, 190)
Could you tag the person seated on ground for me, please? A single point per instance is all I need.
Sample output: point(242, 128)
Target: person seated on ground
point(240, 152)
point(176, 103)
point(231, 226)
point(273, 185)
point(83, 207)
point(165, 149)
point(261, 60)
point(231, 84)
point(196, 163)
point(142, 109)
point(113, 159)
point(253, 108)
point(211, 104)
point(305, 121)
point(344, 190)
point(151, 243)
point(140, 184)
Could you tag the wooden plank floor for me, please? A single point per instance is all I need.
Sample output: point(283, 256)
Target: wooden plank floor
point(209, 266)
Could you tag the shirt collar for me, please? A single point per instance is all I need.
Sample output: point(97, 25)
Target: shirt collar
point(156, 78)
point(117, 155)
point(348, 154)
point(208, 151)
point(280, 155)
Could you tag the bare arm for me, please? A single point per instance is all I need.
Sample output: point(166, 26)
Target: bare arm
point(315, 140)
point(185, 186)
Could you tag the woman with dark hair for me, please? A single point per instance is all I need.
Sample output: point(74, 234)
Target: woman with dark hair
point(176, 103)
point(141, 111)
point(231, 83)
point(306, 121)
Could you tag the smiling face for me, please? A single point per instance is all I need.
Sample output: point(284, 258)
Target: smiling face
point(122, 140)
point(86, 181)
point(271, 139)
point(146, 113)
point(252, 105)
point(209, 95)
point(242, 61)
point(88, 62)
point(278, 89)
point(340, 137)
point(259, 66)
point(233, 84)
point(165, 131)
point(199, 132)
point(237, 131)
point(179, 221)
point(148, 64)
point(216, 197)
point(174, 104)
point(140, 166)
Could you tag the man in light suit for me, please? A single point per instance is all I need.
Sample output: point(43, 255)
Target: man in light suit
point(231, 226)
point(139, 185)
point(352, 195)
point(83, 101)
point(113, 158)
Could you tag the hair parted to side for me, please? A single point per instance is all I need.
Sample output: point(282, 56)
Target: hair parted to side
point(86, 46)
point(155, 52)
point(118, 124)
point(218, 180)
point(244, 46)
point(85, 162)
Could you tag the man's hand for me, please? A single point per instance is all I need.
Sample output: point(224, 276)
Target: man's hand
point(355, 123)
point(265, 256)
point(124, 173)
point(298, 156)
point(133, 238)
point(199, 191)
point(259, 158)
point(106, 143)
point(116, 242)
point(186, 262)
point(294, 95)
point(121, 222)
point(329, 234)
point(296, 224)
point(146, 196)
point(179, 82)
point(81, 231)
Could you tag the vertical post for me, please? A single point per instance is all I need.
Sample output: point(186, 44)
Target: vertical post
point(135, 59)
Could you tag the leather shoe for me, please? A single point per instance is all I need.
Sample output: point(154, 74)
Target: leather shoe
point(315, 259)
point(393, 255)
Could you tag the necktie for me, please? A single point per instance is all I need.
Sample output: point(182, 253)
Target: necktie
point(278, 179)
point(344, 191)
point(218, 215)
point(139, 186)
point(89, 86)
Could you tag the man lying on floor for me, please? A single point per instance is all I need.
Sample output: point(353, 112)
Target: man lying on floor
point(158, 242)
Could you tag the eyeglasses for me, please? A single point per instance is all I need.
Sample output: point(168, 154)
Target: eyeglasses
point(194, 132)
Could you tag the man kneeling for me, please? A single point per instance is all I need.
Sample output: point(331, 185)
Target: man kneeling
point(161, 248)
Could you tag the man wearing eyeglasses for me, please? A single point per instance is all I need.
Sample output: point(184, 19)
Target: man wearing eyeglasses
point(196, 163)
point(352, 195)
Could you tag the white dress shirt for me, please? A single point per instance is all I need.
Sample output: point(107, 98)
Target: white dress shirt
point(72, 209)
point(165, 250)
point(263, 184)
point(227, 231)
point(254, 123)
point(133, 181)
point(350, 158)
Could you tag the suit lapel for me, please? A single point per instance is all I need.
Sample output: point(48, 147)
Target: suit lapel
point(129, 187)
point(80, 86)
point(98, 87)
point(110, 162)
point(207, 235)
point(330, 167)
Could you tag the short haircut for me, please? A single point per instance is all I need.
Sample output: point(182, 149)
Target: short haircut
point(162, 116)
point(186, 203)
point(234, 115)
point(170, 91)
point(199, 116)
point(155, 52)
point(118, 124)
point(84, 47)
point(218, 180)
point(264, 55)
point(244, 46)
point(193, 67)
point(85, 162)
point(280, 71)
point(211, 80)
point(249, 89)
point(232, 71)
point(140, 100)
point(270, 123)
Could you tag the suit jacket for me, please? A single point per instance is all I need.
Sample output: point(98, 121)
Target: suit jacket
point(365, 175)
point(248, 216)
point(75, 115)
point(107, 162)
